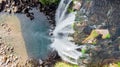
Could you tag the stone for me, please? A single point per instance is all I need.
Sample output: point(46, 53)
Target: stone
point(40, 61)
point(77, 5)
point(46, 66)
point(5, 59)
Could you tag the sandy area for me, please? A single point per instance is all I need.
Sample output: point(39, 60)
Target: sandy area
point(15, 38)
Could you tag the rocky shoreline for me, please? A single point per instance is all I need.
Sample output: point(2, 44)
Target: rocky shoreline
point(8, 56)
point(25, 7)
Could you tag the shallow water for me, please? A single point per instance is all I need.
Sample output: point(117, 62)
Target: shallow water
point(35, 34)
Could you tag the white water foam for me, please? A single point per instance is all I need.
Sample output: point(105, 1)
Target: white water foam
point(65, 48)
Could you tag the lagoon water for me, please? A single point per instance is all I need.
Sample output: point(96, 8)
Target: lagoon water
point(35, 33)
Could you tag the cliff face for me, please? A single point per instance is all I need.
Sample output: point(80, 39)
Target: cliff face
point(100, 14)
point(105, 12)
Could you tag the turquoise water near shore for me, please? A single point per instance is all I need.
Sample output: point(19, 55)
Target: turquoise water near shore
point(35, 33)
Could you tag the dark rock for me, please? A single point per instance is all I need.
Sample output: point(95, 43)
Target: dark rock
point(2, 6)
point(87, 30)
point(31, 17)
point(28, 14)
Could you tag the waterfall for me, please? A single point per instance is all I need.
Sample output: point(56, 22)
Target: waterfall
point(66, 49)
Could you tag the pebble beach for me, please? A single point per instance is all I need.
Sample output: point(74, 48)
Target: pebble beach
point(12, 46)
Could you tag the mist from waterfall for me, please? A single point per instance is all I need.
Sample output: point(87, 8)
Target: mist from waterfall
point(66, 49)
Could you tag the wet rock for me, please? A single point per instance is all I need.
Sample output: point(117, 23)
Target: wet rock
point(86, 61)
point(31, 17)
point(40, 61)
point(50, 33)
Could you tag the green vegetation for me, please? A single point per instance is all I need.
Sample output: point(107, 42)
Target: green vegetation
point(73, 25)
point(91, 37)
point(83, 51)
point(107, 36)
point(63, 64)
point(49, 2)
point(118, 64)
point(94, 34)
point(113, 65)
point(70, 10)
point(94, 42)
